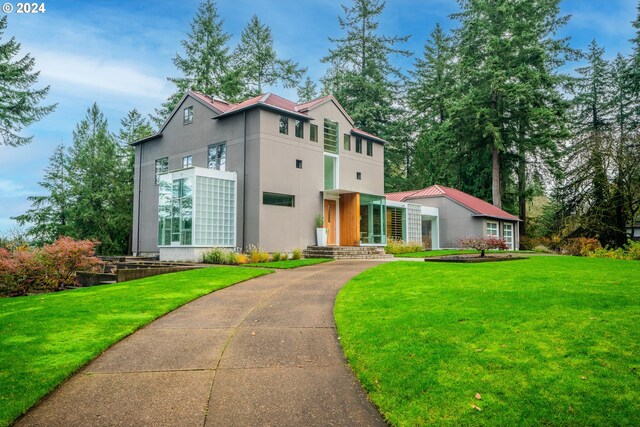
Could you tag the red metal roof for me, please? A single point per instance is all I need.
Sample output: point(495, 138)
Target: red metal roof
point(478, 206)
point(215, 103)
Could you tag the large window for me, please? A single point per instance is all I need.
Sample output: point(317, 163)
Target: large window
point(369, 148)
point(175, 211)
point(277, 199)
point(395, 223)
point(330, 136)
point(358, 145)
point(373, 219)
point(492, 229)
point(299, 129)
point(217, 156)
point(330, 172)
point(187, 116)
point(162, 166)
point(507, 233)
point(313, 133)
point(346, 142)
point(284, 125)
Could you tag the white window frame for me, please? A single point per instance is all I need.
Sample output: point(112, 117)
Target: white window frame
point(187, 162)
point(496, 228)
point(187, 117)
point(508, 239)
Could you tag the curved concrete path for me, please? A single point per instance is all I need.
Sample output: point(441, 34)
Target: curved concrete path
point(263, 352)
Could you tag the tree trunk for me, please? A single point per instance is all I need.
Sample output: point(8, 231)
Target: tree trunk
point(495, 181)
point(522, 188)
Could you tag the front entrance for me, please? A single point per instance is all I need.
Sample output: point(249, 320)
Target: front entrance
point(330, 221)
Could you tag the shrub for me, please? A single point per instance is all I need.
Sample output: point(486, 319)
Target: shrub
point(630, 251)
point(256, 254)
point(399, 247)
point(580, 246)
point(542, 249)
point(242, 258)
point(216, 256)
point(530, 243)
point(50, 268)
point(482, 243)
point(297, 253)
point(633, 250)
point(284, 256)
point(275, 256)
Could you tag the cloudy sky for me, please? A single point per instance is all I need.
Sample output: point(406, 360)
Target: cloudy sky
point(118, 54)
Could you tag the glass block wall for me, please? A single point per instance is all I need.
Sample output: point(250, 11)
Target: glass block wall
point(414, 223)
point(215, 223)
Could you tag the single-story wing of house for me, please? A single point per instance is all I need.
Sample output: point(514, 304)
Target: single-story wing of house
point(461, 215)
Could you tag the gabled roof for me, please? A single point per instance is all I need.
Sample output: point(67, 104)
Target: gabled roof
point(477, 206)
point(268, 101)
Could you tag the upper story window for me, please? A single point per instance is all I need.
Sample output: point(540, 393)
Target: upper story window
point(313, 133)
point(369, 148)
point(358, 145)
point(162, 166)
point(217, 156)
point(347, 142)
point(299, 128)
point(330, 136)
point(188, 116)
point(187, 161)
point(284, 125)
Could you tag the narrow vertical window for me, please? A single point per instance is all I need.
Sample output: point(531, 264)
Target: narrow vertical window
point(358, 145)
point(284, 125)
point(359, 176)
point(330, 136)
point(217, 156)
point(313, 133)
point(299, 164)
point(369, 148)
point(347, 142)
point(188, 116)
point(162, 166)
point(299, 129)
point(187, 161)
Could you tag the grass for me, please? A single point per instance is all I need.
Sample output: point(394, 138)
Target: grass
point(46, 338)
point(292, 263)
point(545, 341)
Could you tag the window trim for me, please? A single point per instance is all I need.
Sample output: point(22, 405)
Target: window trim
point(187, 161)
point(313, 128)
point(293, 199)
point(187, 119)
point(497, 228)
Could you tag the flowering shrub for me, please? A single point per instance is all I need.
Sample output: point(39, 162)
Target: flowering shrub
point(46, 269)
point(482, 243)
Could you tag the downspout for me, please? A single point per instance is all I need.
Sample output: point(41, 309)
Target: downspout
point(139, 197)
point(244, 181)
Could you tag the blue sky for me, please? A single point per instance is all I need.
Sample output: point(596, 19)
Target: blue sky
point(119, 53)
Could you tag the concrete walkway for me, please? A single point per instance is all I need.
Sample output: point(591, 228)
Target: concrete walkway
point(263, 352)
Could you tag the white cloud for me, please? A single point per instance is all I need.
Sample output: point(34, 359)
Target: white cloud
point(11, 189)
point(95, 74)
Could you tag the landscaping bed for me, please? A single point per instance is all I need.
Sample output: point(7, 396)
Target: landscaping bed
point(474, 258)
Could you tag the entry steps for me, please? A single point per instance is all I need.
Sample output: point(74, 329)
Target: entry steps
point(346, 252)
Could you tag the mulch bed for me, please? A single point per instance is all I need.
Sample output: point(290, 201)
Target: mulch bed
point(474, 258)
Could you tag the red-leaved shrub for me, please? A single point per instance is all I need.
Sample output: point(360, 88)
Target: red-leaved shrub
point(482, 243)
point(580, 246)
point(46, 269)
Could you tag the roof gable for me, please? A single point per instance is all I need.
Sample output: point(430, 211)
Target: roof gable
point(474, 204)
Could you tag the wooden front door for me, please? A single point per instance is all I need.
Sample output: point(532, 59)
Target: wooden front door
point(330, 221)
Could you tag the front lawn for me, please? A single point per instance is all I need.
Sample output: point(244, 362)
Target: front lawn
point(545, 341)
point(291, 263)
point(45, 338)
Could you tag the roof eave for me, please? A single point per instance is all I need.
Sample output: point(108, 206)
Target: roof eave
point(266, 107)
point(371, 137)
point(504, 218)
point(147, 139)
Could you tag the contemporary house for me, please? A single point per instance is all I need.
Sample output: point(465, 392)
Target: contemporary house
point(461, 215)
point(259, 173)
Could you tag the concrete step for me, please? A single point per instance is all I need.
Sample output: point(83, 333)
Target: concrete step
point(346, 252)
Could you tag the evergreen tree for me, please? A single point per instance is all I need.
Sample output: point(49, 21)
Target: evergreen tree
point(258, 61)
point(365, 82)
point(100, 194)
point(47, 218)
point(205, 63)
point(18, 100)
point(308, 91)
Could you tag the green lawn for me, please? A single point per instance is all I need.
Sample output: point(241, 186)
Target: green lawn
point(45, 338)
point(545, 341)
point(291, 263)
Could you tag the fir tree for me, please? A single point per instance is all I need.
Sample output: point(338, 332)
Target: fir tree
point(18, 100)
point(47, 219)
point(258, 61)
point(307, 91)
